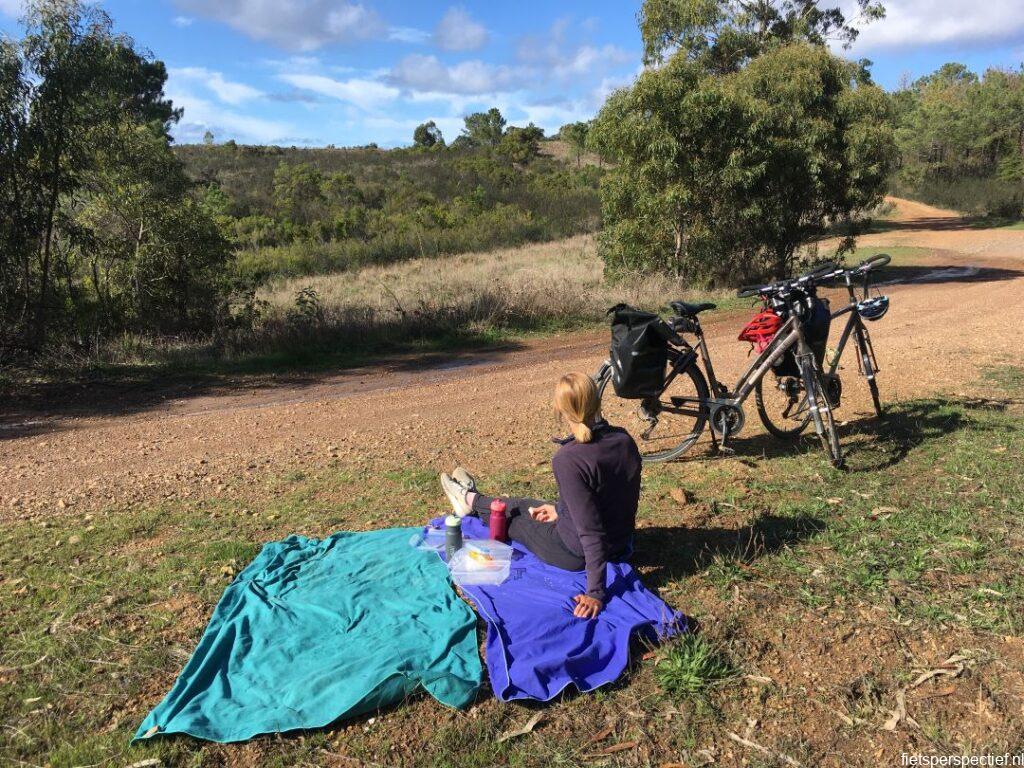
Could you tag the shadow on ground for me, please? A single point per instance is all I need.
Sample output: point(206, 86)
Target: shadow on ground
point(939, 274)
point(875, 444)
point(42, 406)
point(669, 554)
point(872, 443)
point(938, 224)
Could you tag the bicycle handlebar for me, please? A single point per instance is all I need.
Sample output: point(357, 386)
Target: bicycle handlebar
point(749, 291)
point(818, 272)
point(815, 275)
point(874, 262)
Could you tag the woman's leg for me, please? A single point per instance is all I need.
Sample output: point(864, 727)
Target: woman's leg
point(481, 505)
point(540, 538)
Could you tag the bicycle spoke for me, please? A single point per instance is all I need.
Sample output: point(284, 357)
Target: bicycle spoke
point(666, 427)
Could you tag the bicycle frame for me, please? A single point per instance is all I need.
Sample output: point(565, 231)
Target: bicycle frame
point(866, 360)
point(789, 335)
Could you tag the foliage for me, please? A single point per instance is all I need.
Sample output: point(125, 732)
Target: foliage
point(723, 35)
point(305, 211)
point(576, 135)
point(484, 129)
point(428, 136)
point(520, 145)
point(720, 178)
point(99, 231)
point(962, 139)
point(690, 665)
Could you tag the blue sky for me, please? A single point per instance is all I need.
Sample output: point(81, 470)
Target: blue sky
point(349, 72)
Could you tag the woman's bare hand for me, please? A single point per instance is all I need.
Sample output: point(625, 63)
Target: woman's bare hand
point(545, 513)
point(587, 607)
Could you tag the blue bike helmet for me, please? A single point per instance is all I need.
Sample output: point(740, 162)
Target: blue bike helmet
point(874, 309)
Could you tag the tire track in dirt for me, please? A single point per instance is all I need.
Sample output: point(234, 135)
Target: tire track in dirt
point(490, 409)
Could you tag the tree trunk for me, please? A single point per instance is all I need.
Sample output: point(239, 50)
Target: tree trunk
point(677, 261)
point(39, 332)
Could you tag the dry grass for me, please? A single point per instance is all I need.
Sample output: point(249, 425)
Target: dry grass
point(550, 286)
point(562, 150)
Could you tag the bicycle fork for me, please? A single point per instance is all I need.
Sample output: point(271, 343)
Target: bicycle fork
point(867, 363)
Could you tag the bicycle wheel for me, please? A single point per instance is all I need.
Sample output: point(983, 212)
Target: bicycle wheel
point(821, 412)
point(782, 405)
point(665, 427)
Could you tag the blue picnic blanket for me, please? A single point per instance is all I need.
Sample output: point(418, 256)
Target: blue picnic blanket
point(536, 647)
point(312, 631)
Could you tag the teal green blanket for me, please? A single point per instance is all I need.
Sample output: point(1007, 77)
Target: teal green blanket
point(313, 631)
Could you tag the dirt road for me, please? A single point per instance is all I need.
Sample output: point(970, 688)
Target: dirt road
point(487, 409)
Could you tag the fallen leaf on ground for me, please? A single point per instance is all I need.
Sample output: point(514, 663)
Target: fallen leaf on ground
point(613, 749)
point(601, 735)
point(764, 750)
point(951, 667)
point(528, 728)
point(900, 713)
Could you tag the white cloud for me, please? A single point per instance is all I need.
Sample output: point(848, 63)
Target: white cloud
point(202, 116)
point(303, 25)
point(913, 23)
point(426, 74)
point(11, 7)
point(609, 84)
point(183, 21)
point(458, 31)
point(226, 91)
point(408, 35)
point(368, 95)
point(565, 59)
point(551, 117)
point(588, 59)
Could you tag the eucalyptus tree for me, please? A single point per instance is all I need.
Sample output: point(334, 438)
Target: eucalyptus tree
point(745, 139)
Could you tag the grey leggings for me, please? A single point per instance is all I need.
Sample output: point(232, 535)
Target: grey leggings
point(540, 538)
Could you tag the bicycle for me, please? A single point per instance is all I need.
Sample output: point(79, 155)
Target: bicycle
point(794, 416)
point(669, 423)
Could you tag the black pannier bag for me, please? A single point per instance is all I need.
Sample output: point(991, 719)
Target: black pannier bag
point(639, 353)
point(816, 330)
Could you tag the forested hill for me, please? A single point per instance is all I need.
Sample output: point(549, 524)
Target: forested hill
point(302, 211)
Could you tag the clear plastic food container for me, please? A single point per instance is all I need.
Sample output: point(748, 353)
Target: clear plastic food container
point(429, 539)
point(481, 561)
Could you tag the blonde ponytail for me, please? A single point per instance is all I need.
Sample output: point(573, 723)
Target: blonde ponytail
point(577, 402)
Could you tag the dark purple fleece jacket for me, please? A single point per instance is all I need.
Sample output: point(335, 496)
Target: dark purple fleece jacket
point(598, 494)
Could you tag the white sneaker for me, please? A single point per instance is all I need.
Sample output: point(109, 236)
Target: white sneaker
point(463, 478)
point(456, 495)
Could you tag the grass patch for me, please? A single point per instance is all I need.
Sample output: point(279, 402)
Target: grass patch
point(832, 590)
point(690, 666)
point(902, 255)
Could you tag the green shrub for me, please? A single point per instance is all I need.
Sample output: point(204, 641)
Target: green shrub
point(314, 211)
point(690, 666)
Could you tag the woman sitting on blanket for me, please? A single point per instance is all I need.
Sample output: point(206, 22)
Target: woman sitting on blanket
point(598, 474)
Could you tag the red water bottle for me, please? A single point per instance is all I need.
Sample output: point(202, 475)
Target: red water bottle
point(499, 521)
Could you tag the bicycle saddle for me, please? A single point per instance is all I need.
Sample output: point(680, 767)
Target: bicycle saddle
point(691, 310)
